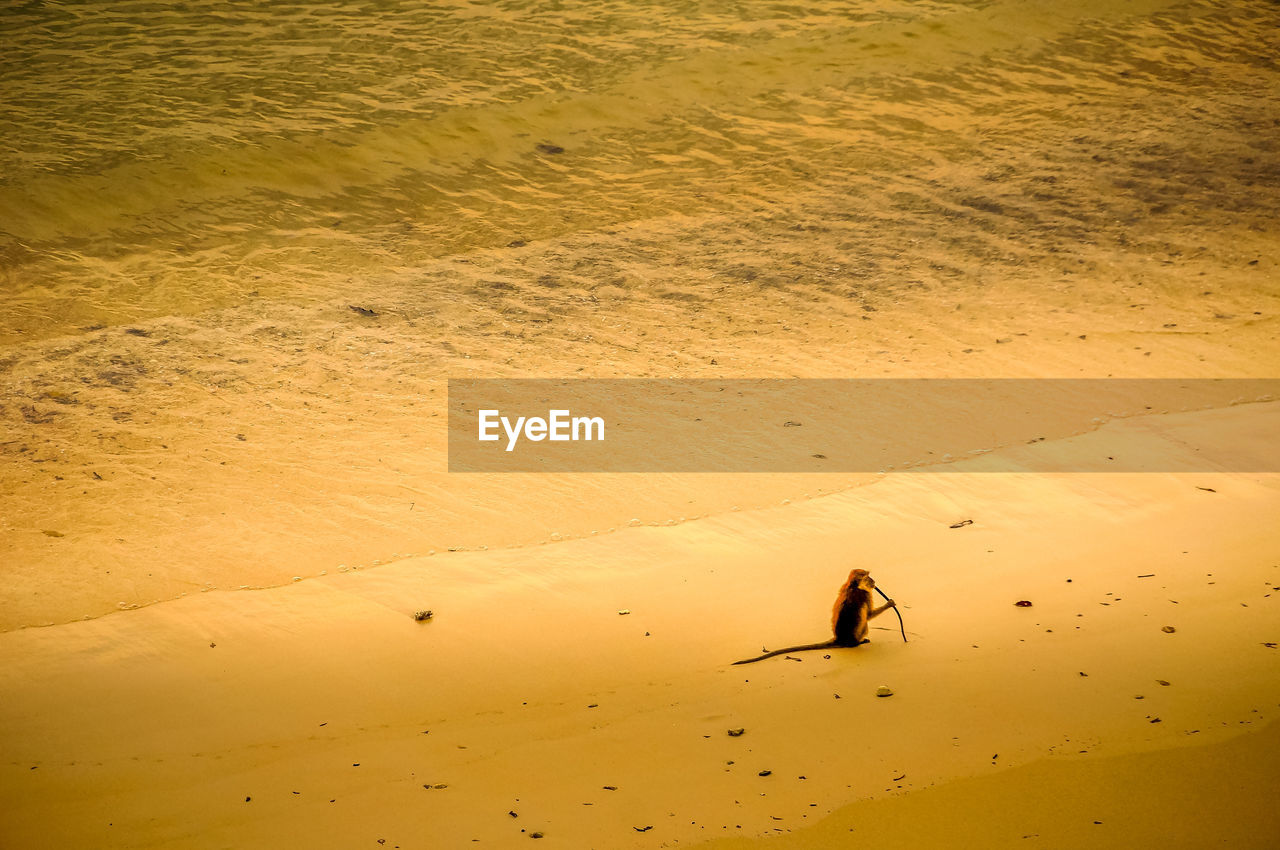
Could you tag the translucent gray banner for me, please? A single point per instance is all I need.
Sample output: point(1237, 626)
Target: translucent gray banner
point(850, 425)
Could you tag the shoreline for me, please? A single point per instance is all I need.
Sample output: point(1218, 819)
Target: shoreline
point(219, 552)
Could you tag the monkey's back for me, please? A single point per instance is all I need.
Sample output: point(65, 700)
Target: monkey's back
point(849, 615)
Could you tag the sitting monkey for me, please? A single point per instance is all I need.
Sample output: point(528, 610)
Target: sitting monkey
point(849, 617)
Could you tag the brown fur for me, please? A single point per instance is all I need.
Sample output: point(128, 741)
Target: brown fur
point(849, 617)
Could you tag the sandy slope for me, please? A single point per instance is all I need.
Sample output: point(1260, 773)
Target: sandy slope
point(321, 714)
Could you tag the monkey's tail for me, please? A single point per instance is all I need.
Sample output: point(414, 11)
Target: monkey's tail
point(805, 648)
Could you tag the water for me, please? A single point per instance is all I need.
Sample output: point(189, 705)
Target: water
point(193, 200)
point(173, 160)
point(160, 161)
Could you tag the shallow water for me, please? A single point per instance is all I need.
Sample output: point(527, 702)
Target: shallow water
point(193, 203)
point(169, 161)
point(162, 162)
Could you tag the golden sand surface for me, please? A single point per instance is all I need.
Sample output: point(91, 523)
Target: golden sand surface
point(224, 496)
point(586, 687)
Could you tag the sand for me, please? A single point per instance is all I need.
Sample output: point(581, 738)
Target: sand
point(321, 713)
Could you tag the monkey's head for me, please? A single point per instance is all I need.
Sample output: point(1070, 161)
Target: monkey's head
point(862, 579)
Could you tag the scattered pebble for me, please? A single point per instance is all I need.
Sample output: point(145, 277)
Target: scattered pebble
point(884, 691)
point(962, 523)
point(734, 733)
point(1023, 603)
point(624, 612)
point(765, 773)
point(423, 616)
point(1168, 629)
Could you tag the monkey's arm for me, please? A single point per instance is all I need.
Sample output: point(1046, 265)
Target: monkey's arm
point(876, 612)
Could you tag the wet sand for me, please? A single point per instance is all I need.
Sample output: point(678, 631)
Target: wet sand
point(224, 492)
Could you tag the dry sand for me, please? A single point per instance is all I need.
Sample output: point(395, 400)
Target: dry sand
point(322, 714)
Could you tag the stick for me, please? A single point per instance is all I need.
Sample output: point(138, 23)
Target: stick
point(901, 625)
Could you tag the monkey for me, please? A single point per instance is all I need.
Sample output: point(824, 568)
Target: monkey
point(849, 617)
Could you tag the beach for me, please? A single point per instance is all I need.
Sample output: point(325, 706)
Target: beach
point(580, 686)
point(226, 494)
